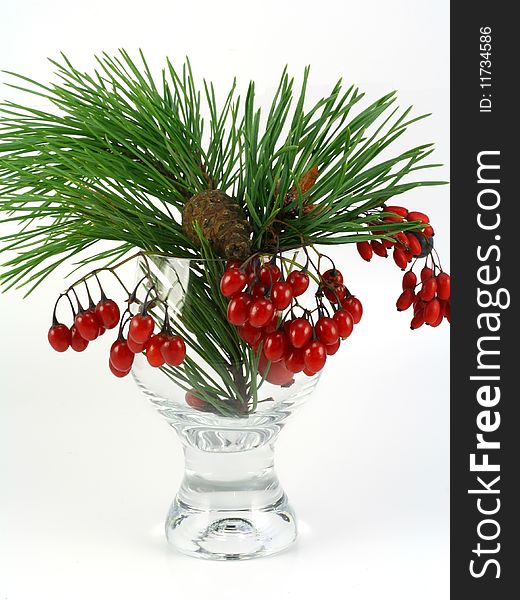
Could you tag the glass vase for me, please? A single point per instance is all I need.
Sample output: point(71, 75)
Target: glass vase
point(230, 504)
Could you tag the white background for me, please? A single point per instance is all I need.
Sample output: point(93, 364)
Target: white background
point(87, 469)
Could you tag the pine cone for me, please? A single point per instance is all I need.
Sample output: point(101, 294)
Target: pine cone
point(222, 222)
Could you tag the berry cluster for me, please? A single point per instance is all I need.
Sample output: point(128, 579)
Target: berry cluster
point(430, 297)
point(287, 344)
point(406, 245)
point(161, 348)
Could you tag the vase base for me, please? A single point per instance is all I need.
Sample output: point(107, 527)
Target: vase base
point(231, 534)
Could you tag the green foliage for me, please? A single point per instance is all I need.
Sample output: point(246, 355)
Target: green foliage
point(118, 152)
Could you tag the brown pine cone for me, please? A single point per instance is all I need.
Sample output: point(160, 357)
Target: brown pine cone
point(222, 222)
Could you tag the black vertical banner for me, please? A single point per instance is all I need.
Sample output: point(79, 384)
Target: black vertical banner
point(485, 353)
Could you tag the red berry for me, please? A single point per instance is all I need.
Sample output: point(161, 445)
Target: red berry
point(59, 337)
point(251, 335)
point(344, 322)
point(281, 295)
point(443, 286)
point(400, 258)
point(117, 372)
point(141, 328)
point(308, 372)
point(393, 219)
point(426, 273)
point(418, 216)
point(405, 300)
point(294, 361)
point(300, 332)
point(387, 243)
point(261, 312)
point(153, 349)
point(401, 238)
point(414, 244)
point(299, 282)
point(327, 330)
point(173, 350)
point(432, 311)
point(418, 320)
point(134, 346)
point(238, 309)
point(428, 231)
point(278, 373)
point(332, 348)
point(354, 307)
point(87, 325)
point(336, 294)
point(333, 276)
point(409, 280)
point(275, 346)
point(315, 356)
point(194, 401)
point(365, 250)
point(77, 342)
point(121, 356)
point(232, 282)
point(258, 290)
point(107, 313)
point(428, 289)
point(379, 248)
point(398, 210)
point(269, 274)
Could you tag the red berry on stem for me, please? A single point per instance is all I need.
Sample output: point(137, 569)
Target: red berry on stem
point(315, 356)
point(294, 360)
point(443, 286)
point(232, 282)
point(153, 349)
point(418, 216)
point(77, 342)
point(405, 300)
point(134, 346)
point(251, 335)
point(401, 238)
point(344, 322)
point(409, 280)
point(107, 313)
point(414, 244)
point(121, 356)
point(258, 290)
point(400, 258)
point(327, 330)
point(117, 372)
point(336, 294)
point(426, 273)
point(398, 210)
point(300, 332)
point(428, 231)
point(365, 250)
point(233, 263)
point(173, 350)
point(428, 289)
point(299, 282)
point(354, 307)
point(87, 325)
point(332, 348)
point(432, 311)
point(141, 328)
point(59, 337)
point(418, 320)
point(269, 274)
point(261, 312)
point(379, 248)
point(275, 346)
point(333, 276)
point(281, 295)
point(238, 309)
point(308, 372)
point(278, 373)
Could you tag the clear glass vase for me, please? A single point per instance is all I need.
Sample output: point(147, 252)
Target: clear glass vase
point(230, 504)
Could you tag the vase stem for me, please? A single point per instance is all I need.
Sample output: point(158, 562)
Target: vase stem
point(230, 505)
